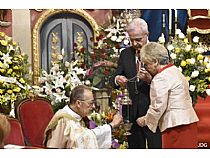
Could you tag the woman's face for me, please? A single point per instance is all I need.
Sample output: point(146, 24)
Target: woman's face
point(152, 68)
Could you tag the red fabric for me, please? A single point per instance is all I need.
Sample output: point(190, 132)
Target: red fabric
point(165, 67)
point(199, 23)
point(199, 12)
point(202, 109)
point(16, 134)
point(180, 137)
point(34, 117)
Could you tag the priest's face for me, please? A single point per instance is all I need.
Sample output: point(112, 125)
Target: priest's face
point(87, 104)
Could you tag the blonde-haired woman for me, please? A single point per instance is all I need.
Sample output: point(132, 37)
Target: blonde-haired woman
point(4, 129)
point(171, 105)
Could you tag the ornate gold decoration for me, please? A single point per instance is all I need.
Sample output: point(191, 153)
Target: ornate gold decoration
point(36, 33)
point(201, 31)
point(129, 14)
point(54, 45)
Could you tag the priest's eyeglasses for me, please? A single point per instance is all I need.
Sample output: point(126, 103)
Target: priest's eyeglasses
point(91, 102)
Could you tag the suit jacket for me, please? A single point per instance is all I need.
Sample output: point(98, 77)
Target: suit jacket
point(127, 68)
point(171, 104)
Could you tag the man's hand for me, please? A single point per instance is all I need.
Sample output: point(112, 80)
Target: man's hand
point(117, 120)
point(141, 121)
point(144, 75)
point(121, 80)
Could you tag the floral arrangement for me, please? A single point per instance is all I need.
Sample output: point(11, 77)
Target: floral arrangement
point(62, 78)
point(190, 61)
point(97, 119)
point(101, 62)
point(14, 73)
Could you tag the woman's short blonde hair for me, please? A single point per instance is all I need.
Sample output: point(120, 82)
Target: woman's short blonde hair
point(152, 52)
point(4, 129)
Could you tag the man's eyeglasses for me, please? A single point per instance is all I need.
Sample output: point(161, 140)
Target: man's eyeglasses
point(91, 103)
point(138, 39)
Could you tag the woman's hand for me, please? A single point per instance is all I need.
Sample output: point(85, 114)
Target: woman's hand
point(141, 121)
point(144, 75)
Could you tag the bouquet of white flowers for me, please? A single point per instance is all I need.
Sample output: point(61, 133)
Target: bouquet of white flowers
point(190, 61)
point(62, 78)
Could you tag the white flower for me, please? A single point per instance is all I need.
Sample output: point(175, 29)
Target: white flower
point(208, 92)
point(170, 47)
point(114, 38)
point(188, 47)
point(199, 49)
point(173, 56)
point(178, 31)
point(41, 80)
point(58, 90)
point(67, 64)
point(208, 66)
point(115, 50)
point(192, 61)
point(161, 39)
point(121, 37)
point(79, 71)
point(196, 39)
point(181, 36)
point(98, 117)
point(118, 40)
point(192, 88)
point(195, 73)
point(6, 58)
point(206, 59)
point(125, 41)
point(60, 57)
point(55, 67)
point(87, 82)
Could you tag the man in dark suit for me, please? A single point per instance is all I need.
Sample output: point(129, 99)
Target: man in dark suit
point(130, 72)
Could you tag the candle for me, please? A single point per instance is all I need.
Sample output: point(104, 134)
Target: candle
point(170, 21)
point(176, 20)
point(164, 20)
point(176, 15)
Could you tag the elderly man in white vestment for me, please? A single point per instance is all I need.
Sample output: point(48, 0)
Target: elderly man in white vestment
point(67, 128)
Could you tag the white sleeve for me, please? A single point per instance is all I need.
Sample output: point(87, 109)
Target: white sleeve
point(103, 136)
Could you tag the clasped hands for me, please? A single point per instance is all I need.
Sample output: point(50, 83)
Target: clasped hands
point(141, 121)
point(144, 75)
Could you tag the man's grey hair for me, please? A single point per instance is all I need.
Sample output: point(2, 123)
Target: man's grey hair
point(137, 24)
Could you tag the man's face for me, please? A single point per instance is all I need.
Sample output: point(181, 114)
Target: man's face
point(138, 39)
point(87, 104)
